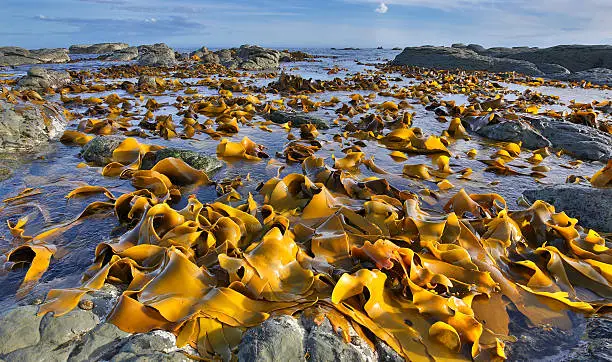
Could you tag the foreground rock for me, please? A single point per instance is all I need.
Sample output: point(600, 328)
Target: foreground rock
point(297, 119)
point(99, 151)
point(100, 48)
point(247, 57)
point(13, 56)
point(453, 58)
point(27, 126)
point(512, 131)
point(208, 164)
point(40, 79)
point(591, 206)
point(156, 55)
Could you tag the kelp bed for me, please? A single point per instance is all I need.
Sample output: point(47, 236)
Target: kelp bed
point(325, 241)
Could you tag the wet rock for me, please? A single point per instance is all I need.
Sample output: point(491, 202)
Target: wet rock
point(103, 300)
point(156, 55)
point(157, 341)
point(324, 344)
point(99, 150)
point(581, 141)
point(386, 353)
point(277, 339)
point(19, 328)
point(208, 164)
point(123, 55)
point(39, 79)
point(99, 48)
point(591, 206)
point(514, 131)
point(249, 57)
point(26, 126)
point(13, 56)
point(59, 330)
point(101, 343)
point(206, 56)
point(453, 58)
point(297, 119)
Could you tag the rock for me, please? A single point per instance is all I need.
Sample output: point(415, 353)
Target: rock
point(151, 357)
point(19, 328)
point(206, 56)
point(13, 56)
point(26, 126)
point(99, 48)
point(156, 55)
point(40, 353)
point(602, 76)
point(249, 57)
point(143, 343)
point(386, 353)
point(324, 344)
point(476, 48)
point(104, 299)
point(123, 55)
point(208, 164)
point(297, 119)
point(583, 142)
point(576, 58)
point(147, 81)
point(514, 131)
point(277, 339)
point(39, 79)
point(101, 343)
point(456, 58)
point(59, 330)
point(591, 206)
point(99, 150)
point(553, 70)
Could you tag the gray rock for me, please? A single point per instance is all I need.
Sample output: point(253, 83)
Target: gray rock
point(40, 353)
point(40, 79)
point(476, 48)
point(324, 344)
point(206, 56)
point(602, 76)
point(583, 142)
point(147, 81)
point(590, 205)
point(104, 299)
point(208, 164)
point(277, 339)
point(19, 328)
point(26, 126)
point(157, 341)
point(98, 344)
point(250, 57)
point(99, 150)
point(151, 357)
point(123, 55)
point(59, 330)
point(297, 119)
point(13, 56)
point(99, 48)
point(457, 58)
point(573, 57)
point(156, 55)
point(386, 353)
point(514, 131)
point(553, 70)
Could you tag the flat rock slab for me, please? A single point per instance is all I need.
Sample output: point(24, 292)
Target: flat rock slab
point(591, 206)
point(297, 119)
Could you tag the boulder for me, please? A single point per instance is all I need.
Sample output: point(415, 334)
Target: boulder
point(99, 151)
point(553, 70)
point(277, 339)
point(573, 57)
point(26, 126)
point(13, 56)
point(591, 206)
point(99, 48)
point(583, 142)
point(40, 79)
point(123, 55)
point(206, 56)
point(156, 55)
point(297, 119)
point(514, 131)
point(602, 76)
point(458, 58)
point(249, 57)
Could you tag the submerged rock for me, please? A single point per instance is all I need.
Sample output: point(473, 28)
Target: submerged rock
point(99, 48)
point(13, 56)
point(453, 58)
point(156, 55)
point(26, 126)
point(583, 142)
point(591, 206)
point(39, 79)
point(297, 119)
point(208, 164)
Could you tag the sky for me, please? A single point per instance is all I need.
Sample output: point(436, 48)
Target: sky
point(305, 23)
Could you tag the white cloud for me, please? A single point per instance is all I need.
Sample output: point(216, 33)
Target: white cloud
point(382, 8)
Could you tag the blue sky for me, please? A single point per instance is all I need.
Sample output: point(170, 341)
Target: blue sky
point(302, 23)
